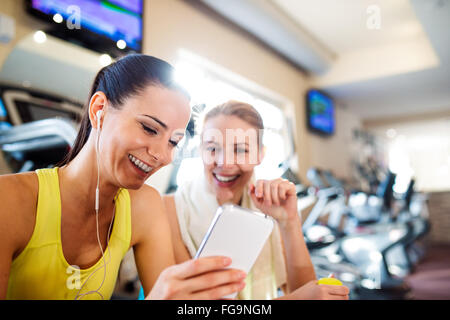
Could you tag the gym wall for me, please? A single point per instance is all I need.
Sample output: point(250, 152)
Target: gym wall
point(174, 24)
point(439, 208)
point(24, 25)
point(170, 25)
point(336, 148)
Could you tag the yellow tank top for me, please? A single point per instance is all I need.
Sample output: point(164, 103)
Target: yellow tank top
point(41, 270)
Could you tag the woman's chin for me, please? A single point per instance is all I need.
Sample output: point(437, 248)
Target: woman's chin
point(131, 184)
point(224, 196)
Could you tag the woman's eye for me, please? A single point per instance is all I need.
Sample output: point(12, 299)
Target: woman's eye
point(173, 143)
point(148, 129)
point(211, 149)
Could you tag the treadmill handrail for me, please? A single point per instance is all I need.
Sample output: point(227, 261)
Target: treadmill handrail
point(43, 143)
point(323, 196)
point(37, 129)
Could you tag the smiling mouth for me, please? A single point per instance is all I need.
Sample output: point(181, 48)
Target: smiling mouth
point(226, 179)
point(140, 164)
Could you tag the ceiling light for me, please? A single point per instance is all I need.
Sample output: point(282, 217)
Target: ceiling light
point(121, 44)
point(40, 36)
point(105, 60)
point(58, 18)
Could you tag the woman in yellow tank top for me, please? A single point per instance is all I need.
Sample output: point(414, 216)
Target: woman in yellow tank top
point(49, 235)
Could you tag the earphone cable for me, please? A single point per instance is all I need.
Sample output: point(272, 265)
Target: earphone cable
point(97, 200)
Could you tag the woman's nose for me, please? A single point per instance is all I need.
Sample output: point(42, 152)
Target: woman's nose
point(159, 153)
point(225, 159)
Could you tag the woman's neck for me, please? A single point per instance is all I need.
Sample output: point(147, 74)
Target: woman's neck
point(80, 177)
point(236, 199)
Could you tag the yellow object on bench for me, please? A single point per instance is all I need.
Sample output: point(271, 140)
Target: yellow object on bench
point(330, 281)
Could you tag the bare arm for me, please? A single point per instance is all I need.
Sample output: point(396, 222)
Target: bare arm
point(153, 248)
point(300, 269)
point(203, 278)
point(17, 214)
point(278, 199)
point(6, 253)
point(180, 250)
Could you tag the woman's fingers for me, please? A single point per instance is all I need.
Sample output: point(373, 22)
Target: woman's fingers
point(276, 187)
point(259, 189)
point(215, 279)
point(267, 194)
point(203, 278)
point(262, 193)
point(272, 191)
point(282, 191)
point(205, 273)
point(338, 290)
point(270, 195)
point(218, 292)
point(198, 266)
point(335, 292)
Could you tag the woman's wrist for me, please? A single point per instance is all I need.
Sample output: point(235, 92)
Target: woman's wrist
point(292, 223)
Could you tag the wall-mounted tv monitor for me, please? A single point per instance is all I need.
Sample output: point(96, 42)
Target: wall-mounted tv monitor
point(320, 112)
point(102, 23)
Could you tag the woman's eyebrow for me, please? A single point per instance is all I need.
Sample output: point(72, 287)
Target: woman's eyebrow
point(157, 120)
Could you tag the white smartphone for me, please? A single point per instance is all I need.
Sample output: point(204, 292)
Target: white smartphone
point(237, 233)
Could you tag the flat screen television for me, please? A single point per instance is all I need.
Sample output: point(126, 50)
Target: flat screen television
point(320, 112)
point(95, 24)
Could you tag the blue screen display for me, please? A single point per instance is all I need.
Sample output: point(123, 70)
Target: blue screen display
point(115, 19)
point(3, 112)
point(321, 112)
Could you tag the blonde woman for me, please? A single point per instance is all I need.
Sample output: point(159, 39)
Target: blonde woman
point(231, 147)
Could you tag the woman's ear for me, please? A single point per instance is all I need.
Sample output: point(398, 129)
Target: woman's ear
point(96, 104)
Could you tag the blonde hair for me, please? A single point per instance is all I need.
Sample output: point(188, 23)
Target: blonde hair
point(242, 110)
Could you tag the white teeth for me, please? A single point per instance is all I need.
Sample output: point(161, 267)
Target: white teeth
point(140, 164)
point(225, 179)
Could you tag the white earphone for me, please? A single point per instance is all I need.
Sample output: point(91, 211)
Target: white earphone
point(97, 205)
point(97, 140)
point(99, 116)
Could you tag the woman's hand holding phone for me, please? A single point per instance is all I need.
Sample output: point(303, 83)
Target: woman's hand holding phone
point(198, 279)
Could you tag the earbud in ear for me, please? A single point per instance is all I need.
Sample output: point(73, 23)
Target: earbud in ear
point(99, 117)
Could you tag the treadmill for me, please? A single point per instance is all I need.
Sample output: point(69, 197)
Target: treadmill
point(37, 129)
point(369, 251)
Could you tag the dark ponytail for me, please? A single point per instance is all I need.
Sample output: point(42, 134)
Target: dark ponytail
point(124, 78)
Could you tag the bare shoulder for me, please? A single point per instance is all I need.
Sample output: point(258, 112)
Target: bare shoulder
point(19, 201)
point(144, 199)
point(19, 191)
point(147, 211)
